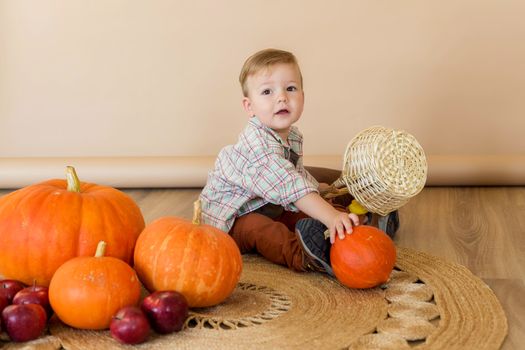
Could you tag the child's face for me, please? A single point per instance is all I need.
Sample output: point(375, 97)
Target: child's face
point(276, 97)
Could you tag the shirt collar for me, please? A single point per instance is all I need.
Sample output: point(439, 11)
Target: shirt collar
point(293, 136)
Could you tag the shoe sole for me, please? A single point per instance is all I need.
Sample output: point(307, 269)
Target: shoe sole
point(328, 268)
point(389, 224)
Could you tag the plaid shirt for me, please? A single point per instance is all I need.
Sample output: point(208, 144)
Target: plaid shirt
point(257, 170)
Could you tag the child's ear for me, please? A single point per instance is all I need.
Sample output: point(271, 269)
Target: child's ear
point(247, 105)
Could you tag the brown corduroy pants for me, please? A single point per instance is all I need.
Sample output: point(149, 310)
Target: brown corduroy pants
point(274, 238)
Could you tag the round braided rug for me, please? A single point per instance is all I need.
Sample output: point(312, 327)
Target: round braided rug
point(427, 304)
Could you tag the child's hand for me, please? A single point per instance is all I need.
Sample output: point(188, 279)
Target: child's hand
point(325, 188)
point(341, 224)
point(336, 222)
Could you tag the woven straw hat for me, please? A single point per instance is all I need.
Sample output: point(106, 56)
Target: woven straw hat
point(383, 168)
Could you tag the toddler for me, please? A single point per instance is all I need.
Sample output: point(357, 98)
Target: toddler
point(259, 190)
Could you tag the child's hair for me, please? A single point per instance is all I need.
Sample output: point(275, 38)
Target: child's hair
point(262, 60)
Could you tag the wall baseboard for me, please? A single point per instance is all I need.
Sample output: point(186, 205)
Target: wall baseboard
point(179, 171)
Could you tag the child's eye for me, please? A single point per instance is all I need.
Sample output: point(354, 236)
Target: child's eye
point(291, 88)
point(265, 92)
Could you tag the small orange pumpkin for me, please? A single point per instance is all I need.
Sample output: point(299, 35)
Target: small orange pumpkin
point(44, 225)
point(199, 261)
point(363, 259)
point(85, 292)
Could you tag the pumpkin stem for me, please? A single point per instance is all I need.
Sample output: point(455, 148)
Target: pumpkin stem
point(73, 183)
point(197, 212)
point(101, 249)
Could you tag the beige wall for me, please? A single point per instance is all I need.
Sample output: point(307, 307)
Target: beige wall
point(108, 78)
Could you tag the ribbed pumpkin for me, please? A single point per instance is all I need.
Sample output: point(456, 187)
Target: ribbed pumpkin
point(199, 261)
point(363, 259)
point(44, 225)
point(86, 291)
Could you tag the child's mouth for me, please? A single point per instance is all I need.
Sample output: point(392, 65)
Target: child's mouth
point(282, 111)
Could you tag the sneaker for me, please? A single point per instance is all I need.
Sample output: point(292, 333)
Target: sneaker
point(389, 223)
point(369, 217)
point(316, 249)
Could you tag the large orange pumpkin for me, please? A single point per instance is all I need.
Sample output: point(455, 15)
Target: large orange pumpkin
point(44, 225)
point(199, 261)
point(363, 259)
point(86, 291)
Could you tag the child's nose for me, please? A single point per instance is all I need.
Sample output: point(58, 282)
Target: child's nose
point(282, 97)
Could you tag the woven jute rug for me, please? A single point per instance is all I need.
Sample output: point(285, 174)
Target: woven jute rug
point(427, 304)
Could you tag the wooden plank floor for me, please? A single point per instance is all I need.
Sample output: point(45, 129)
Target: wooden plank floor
point(482, 228)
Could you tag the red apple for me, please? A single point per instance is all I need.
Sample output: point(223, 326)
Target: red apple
point(24, 322)
point(166, 311)
point(34, 295)
point(129, 325)
point(3, 304)
point(10, 288)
